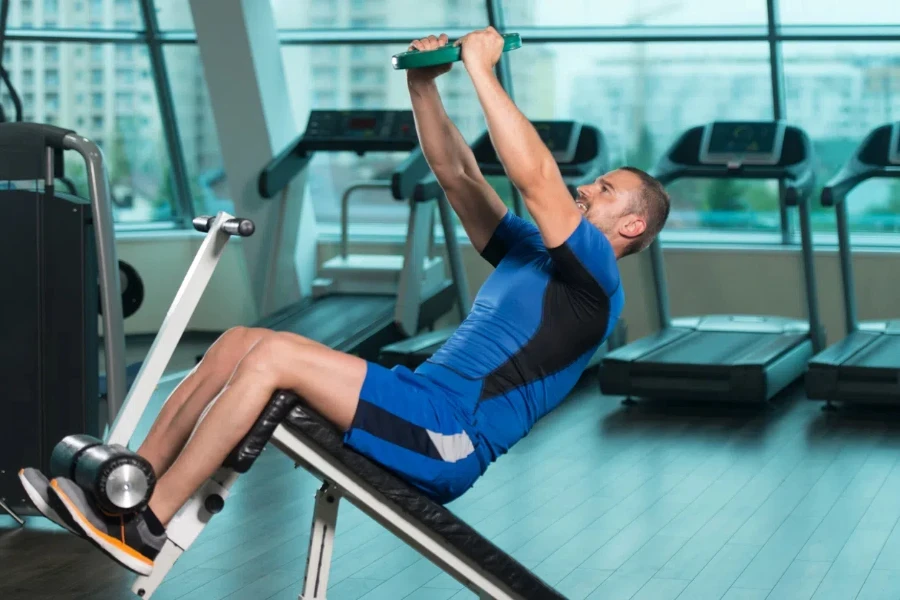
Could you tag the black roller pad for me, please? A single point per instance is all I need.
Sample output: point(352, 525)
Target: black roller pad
point(245, 454)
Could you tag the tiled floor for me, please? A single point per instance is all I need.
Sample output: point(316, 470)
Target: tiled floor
point(601, 501)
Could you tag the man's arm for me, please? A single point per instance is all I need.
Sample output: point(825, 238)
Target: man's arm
point(476, 203)
point(528, 163)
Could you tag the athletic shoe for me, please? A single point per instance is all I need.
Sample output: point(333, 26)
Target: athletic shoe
point(127, 539)
point(38, 489)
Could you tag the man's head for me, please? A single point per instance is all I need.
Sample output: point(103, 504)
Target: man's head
point(627, 205)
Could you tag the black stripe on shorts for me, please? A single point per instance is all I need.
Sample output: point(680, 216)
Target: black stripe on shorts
point(389, 427)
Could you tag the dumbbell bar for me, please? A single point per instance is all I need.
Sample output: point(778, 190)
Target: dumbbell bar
point(119, 480)
point(416, 59)
point(236, 226)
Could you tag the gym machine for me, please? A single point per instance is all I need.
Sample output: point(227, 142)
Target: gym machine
point(864, 367)
point(54, 250)
point(360, 303)
point(726, 358)
point(582, 155)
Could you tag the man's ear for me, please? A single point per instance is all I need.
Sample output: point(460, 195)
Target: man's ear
point(632, 226)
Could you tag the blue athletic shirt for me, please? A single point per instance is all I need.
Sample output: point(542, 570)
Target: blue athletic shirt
point(535, 324)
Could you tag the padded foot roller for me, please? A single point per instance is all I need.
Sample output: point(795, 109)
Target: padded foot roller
point(120, 480)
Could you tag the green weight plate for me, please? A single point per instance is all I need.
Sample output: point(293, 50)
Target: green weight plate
point(415, 59)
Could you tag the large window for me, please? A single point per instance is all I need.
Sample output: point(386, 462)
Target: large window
point(643, 71)
point(75, 14)
point(839, 12)
point(586, 13)
point(123, 119)
point(174, 14)
point(355, 14)
point(199, 142)
point(361, 77)
point(113, 93)
point(838, 92)
point(643, 96)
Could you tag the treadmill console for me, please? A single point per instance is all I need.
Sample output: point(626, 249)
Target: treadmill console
point(360, 131)
point(894, 155)
point(736, 143)
point(560, 137)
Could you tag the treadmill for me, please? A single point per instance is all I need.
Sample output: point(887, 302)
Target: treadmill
point(864, 367)
point(726, 358)
point(582, 155)
point(361, 303)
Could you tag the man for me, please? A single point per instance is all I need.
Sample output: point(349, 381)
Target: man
point(554, 296)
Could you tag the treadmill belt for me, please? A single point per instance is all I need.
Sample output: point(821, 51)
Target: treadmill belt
point(882, 353)
point(332, 320)
point(715, 347)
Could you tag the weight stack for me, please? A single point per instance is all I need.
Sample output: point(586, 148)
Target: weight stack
point(49, 344)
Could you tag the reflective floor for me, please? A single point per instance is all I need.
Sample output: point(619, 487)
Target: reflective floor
point(601, 501)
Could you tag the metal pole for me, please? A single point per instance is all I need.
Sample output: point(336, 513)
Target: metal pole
point(110, 290)
point(4, 17)
point(375, 184)
point(776, 73)
point(167, 113)
point(659, 282)
point(504, 74)
point(847, 283)
point(454, 257)
point(809, 268)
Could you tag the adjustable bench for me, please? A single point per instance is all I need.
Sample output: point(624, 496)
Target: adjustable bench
point(316, 445)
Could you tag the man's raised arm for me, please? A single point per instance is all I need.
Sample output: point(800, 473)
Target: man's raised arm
point(528, 163)
point(476, 203)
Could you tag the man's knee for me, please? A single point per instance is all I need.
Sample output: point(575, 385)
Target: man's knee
point(271, 355)
point(237, 340)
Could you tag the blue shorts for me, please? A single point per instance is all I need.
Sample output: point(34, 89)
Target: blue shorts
point(419, 425)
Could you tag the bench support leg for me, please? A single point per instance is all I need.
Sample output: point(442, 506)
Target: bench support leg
point(321, 543)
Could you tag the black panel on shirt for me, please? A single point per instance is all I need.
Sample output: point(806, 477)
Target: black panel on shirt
point(495, 250)
point(574, 318)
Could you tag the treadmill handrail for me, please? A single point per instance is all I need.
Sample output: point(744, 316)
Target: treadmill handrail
point(850, 176)
point(408, 174)
point(854, 172)
point(282, 169)
point(799, 183)
point(427, 189)
point(857, 170)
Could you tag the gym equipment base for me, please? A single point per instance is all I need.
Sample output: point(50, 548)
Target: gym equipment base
point(698, 358)
point(862, 368)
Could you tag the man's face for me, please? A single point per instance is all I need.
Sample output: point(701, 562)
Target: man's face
point(607, 203)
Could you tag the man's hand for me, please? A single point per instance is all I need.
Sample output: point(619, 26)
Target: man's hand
point(426, 75)
point(481, 49)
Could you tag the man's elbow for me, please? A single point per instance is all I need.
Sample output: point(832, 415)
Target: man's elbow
point(539, 178)
point(448, 175)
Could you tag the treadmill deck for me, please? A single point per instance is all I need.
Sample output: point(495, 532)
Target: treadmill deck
point(712, 360)
point(863, 367)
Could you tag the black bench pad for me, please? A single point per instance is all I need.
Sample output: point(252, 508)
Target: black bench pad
point(306, 424)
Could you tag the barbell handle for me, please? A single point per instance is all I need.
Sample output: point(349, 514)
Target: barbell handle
point(235, 226)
